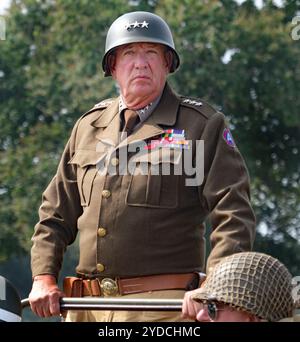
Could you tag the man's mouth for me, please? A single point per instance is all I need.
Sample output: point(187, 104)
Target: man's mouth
point(141, 77)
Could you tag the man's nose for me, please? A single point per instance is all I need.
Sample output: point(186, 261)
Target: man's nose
point(141, 61)
point(202, 316)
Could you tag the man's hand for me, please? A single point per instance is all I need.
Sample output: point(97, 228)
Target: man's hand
point(190, 308)
point(44, 296)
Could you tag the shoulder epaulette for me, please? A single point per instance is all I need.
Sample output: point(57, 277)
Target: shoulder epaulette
point(199, 105)
point(101, 105)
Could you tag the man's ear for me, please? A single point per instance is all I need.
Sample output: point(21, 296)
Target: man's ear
point(111, 62)
point(169, 59)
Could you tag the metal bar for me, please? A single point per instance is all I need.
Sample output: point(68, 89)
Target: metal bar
point(90, 303)
point(25, 303)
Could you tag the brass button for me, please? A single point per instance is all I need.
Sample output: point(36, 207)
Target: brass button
point(106, 193)
point(100, 267)
point(114, 161)
point(101, 232)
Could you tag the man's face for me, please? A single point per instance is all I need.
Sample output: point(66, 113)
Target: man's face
point(140, 70)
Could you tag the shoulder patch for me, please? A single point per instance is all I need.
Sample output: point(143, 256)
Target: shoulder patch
point(199, 105)
point(227, 136)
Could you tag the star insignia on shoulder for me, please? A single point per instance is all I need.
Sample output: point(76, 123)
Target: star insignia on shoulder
point(192, 102)
point(103, 104)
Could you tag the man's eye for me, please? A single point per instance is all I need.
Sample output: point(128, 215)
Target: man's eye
point(128, 52)
point(152, 51)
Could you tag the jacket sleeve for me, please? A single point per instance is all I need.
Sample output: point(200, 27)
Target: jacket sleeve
point(225, 193)
point(60, 209)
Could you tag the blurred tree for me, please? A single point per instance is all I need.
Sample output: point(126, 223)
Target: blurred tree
point(243, 59)
point(238, 57)
point(50, 74)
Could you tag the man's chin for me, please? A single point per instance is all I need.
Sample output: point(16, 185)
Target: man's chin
point(141, 83)
point(142, 90)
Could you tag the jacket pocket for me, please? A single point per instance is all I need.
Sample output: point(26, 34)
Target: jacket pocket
point(86, 163)
point(154, 183)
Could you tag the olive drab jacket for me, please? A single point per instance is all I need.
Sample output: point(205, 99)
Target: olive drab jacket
point(146, 222)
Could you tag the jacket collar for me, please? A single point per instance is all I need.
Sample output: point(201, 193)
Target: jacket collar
point(107, 115)
point(165, 114)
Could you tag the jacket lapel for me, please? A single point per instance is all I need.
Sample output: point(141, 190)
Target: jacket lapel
point(165, 114)
point(109, 124)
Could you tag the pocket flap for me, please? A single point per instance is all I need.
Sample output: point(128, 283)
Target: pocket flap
point(161, 155)
point(86, 157)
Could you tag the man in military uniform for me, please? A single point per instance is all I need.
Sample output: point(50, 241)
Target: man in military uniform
point(120, 186)
point(243, 287)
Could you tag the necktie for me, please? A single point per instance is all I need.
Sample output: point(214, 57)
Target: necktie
point(131, 119)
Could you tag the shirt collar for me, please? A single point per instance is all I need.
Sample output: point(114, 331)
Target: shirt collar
point(143, 113)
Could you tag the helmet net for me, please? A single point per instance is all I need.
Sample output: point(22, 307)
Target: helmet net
point(253, 282)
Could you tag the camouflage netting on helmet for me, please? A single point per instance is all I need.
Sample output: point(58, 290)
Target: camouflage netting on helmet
point(253, 282)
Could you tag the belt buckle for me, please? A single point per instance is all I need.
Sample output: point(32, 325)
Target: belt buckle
point(109, 287)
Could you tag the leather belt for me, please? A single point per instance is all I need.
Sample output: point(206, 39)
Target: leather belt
point(78, 287)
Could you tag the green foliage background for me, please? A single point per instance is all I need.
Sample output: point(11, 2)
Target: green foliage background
point(240, 58)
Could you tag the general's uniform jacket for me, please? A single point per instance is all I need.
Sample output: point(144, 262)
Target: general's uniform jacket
point(139, 224)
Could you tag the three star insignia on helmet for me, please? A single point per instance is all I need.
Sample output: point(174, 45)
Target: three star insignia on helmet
point(136, 24)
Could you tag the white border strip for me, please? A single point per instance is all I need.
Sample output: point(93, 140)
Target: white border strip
point(7, 316)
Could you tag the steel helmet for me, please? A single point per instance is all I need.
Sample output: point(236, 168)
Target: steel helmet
point(253, 282)
point(135, 27)
point(10, 302)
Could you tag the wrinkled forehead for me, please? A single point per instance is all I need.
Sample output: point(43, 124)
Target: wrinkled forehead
point(142, 45)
